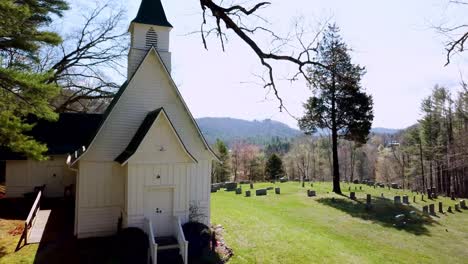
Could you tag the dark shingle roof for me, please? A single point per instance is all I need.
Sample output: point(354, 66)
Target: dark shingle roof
point(138, 137)
point(69, 133)
point(152, 12)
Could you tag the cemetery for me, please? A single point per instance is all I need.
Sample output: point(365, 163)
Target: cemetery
point(288, 223)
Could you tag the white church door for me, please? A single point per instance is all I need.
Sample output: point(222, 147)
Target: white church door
point(159, 209)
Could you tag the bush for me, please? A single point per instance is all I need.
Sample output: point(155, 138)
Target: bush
point(199, 236)
point(133, 246)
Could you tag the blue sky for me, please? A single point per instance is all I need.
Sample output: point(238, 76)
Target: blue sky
point(394, 40)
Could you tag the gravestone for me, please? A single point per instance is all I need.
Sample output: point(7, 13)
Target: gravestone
point(422, 197)
point(405, 199)
point(441, 209)
point(303, 184)
point(463, 204)
point(269, 188)
point(213, 189)
point(397, 199)
point(311, 193)
point(277, 190)
point(355, 188)
point(352, 195)
point(414, 199)
point(239, 191)
point(247, 193)
point(312, 185)
point(457, 207)
point(449, 209)
point(231, 186)
point(434, 193)
point(360, 188)
point(349, 188)
point(368, 201)
point(426, 210)
point(374, 186)
point(452, 195)
point(260, 192)
point(381, 195)
point(432, 209)
point(251, 186)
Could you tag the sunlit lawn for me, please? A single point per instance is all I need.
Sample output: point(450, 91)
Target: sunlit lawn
point(292, 228)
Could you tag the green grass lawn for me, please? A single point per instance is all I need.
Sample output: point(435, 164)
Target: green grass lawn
point(292, 228)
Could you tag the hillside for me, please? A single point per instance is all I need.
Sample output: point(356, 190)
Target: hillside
point(231, 129)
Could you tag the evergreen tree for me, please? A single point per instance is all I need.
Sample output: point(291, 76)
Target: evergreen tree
point(221, 170)
point(274, 168)
point(24, 91)
point(338, 102)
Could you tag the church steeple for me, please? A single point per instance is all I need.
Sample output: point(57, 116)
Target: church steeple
point(150, 28)
point(151, 12)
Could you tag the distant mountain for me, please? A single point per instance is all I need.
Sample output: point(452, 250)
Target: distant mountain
point(383, 130)
point(258, 132)
point(230, 129)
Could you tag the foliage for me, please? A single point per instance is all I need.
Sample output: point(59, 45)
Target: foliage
point(198, 235)
point(221, 169)
point(338, 102)
point(274, 168)
point(24, 91)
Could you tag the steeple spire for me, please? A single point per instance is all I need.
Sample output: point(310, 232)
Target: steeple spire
point(151, 12)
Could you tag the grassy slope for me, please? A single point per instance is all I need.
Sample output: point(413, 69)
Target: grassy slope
point(291, 228)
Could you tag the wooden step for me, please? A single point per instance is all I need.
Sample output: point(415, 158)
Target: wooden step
point(166, 243)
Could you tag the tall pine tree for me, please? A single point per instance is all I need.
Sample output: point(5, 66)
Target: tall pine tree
point(338, 102)
point(24, 91)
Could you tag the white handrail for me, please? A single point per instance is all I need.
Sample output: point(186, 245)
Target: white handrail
point(148, 227)
point(183, 244)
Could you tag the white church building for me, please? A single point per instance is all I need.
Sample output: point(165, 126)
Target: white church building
point(144, 161)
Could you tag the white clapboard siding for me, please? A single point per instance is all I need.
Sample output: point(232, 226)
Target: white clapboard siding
point(100, 198)
point(23, 175)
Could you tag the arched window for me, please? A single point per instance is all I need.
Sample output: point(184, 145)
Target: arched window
point(151, 38)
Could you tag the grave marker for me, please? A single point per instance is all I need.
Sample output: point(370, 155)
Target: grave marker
point(405, 199)
point(368, 201)
point(239, 191)
point(426, 210)
point(432, 209)
point(397, 199)
point(251, 186)
point(261, 192)
point(441, 209)
point(449, 209)
point(277, 190)
point(463, 204)
point(457, 207)
point(352, 195)
point(311, 193)
point(414, 199)
point(247, 193)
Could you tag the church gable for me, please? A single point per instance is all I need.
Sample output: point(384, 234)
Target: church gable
point(149, 88)
point(156, 141)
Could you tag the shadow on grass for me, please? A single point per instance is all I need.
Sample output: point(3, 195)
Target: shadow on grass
point(383, 212)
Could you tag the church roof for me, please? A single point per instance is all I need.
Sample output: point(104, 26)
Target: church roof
point(69, 133)
point(151, 12)
point(141, 133)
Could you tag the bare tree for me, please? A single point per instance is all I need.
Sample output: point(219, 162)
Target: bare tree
point(235, 17)
point(457, 35)
point(87, 63)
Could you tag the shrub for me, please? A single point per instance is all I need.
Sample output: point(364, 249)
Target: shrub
point(199, 236)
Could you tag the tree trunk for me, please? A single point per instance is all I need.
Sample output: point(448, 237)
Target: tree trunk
point(336, 166)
